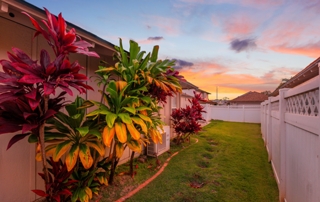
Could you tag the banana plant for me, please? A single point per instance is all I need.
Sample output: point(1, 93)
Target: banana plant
point(72, 136)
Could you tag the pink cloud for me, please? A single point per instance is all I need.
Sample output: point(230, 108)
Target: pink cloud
point(167, 25)
point(310, 50)
point(294, 31)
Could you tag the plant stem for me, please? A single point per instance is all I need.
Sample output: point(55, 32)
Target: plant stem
point(113, 165)
point(131, 164)
point(42, 142)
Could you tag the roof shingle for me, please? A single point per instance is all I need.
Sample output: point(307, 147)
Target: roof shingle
point(251, 97)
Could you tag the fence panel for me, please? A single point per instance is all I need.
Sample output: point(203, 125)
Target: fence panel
point(243, 113)
point(291, 129)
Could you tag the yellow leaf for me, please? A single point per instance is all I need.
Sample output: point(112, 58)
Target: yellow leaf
point(144, 112)
point(107, 135)
point(38, 157)
point(157, 83)
point(85, 156)
point(72, 157)
point(61, 149)
point(141, 123)
point(120, 85)
point(149, 79)
point(119, 150)
point(135, 134)
point(88, 192)
point(121, 132)
point(134, 146)
point(97, 146)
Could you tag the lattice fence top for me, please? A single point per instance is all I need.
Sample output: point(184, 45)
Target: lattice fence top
point(304, 104)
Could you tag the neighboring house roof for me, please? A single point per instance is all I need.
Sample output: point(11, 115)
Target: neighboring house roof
point(188, 85)
point(312, 70)
point(251, 97)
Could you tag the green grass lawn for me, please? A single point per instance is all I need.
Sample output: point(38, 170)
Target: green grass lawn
point(229, 163)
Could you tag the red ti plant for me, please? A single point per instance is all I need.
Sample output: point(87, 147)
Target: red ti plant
point(26, 84)
point(186, 120)
point(59, 186)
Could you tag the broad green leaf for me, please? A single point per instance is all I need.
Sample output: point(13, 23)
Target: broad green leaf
point(134, 50)
point(94, 113)
point(63, 118)
point(54, 135)
point(76, 116)
point(83, 130)
point(154, 55)
point(129, 100)
point(112, 89)
point(110, 118)
point(125, 118)
point(132, 110)
point(146, 99)
point(61, 149)
point(95, 132)
point(145, 118)
point(32, 138)
point(124, 56)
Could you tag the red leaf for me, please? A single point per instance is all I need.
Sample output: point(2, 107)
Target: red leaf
point(48, 89)
point(44, 58)
point(28, 127)
point(9, 128)
point(48, 114)
point(15, 139)
point(69, 38)
point(30, 79)
point(33, 103)
point(56, 197)
point(65, 192)
point(40, 192)
point(32, 94)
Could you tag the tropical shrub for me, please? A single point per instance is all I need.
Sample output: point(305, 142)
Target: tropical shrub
point(185, 121)
point(27, 86)
point(130, 106)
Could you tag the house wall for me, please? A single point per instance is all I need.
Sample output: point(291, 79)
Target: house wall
point(18, 168)
point(291, 132)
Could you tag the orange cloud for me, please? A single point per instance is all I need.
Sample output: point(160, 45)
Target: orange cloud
point(312, 50)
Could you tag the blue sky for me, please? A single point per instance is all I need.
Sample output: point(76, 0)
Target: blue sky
point(235, 45)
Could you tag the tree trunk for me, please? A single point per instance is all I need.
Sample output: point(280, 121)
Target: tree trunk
point(42, 142)
point(113, 165)
point(131, 164)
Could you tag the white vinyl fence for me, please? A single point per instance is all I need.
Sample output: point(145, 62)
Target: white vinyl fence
point(290, 127)
point(235, 113)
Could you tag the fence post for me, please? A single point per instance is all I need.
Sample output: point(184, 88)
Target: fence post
point(268, 138)
point(283, 142)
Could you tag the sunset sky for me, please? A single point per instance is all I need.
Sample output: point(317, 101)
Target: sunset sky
point(233, 45)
